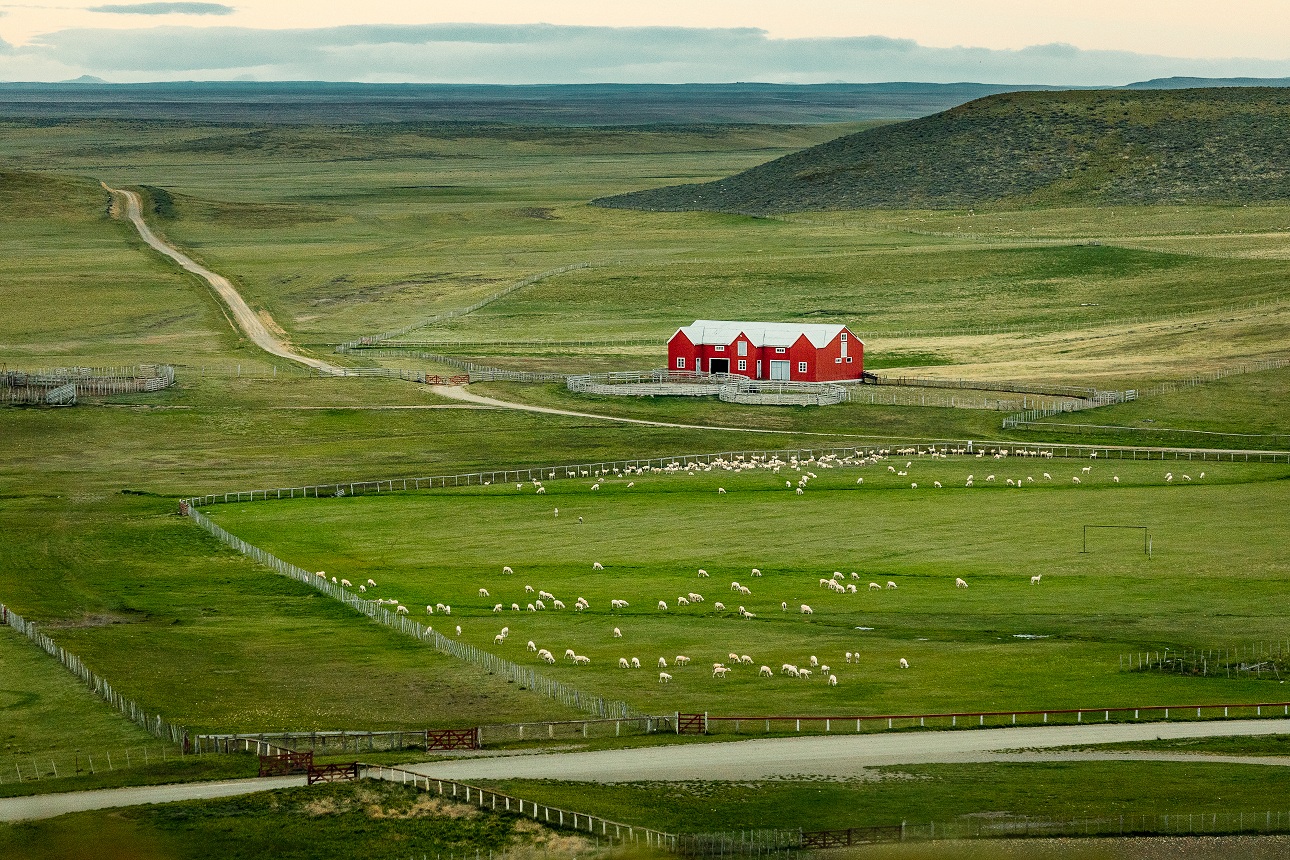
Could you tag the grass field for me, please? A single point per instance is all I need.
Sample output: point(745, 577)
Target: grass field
point(1216, 555)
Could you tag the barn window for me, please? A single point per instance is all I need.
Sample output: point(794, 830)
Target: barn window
point(743, 364)
point(801, 367)
point(848, 359)
point(680, 362)
point(719, 348)
point(779, 350)
point(844, 337)
point(837, 361)
point(743, 347)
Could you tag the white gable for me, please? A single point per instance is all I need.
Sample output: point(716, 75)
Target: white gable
point(760, 333)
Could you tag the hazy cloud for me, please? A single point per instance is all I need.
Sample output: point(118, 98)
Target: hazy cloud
point(543, 53)
point(165, 9)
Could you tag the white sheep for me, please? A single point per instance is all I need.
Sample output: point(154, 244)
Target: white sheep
point(662, 605)
point(681, 660)
point(568, 654)
point(662, 662)
point(719, 671)
point(499, 639)
point(497, 607)
point(765, 672)
point(815, 662)
point(623, 664)
point(528, 589)
point(541, 606)
point(851, 589)
point(833, 680)
point(458, 629)
point(1115, 478)
point(515, 607)
point(532, 608)
point(746, 660)
point(799, 491)
point(548, 658)
point(483, 592)
point(1047, 477)
point(532, 646)
point(618, 634)
point(805, 674)
point(734, 586)
point(595, 565)
point(429, 610)
point(636, 663)
point(702, 572)
point(348, 584)
point(891, 584)
point(580, 660)
point(557, 604)
point(721, 490)
point(664, 678)
point(733, 657)
point(848, 656)
point(1075, 479)
point(806, 610)
point(507, 570)
point(371, 583)
point(756, 572)
point(447, 610)
point(904, 664)
point(402, 610)
point(363, 588)
point(321, 574)
point(959, 582)
point(681, 601)
point(1034, 580)
point(873, 586)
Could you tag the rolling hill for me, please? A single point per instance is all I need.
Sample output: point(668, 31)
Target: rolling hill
point(1221, 145)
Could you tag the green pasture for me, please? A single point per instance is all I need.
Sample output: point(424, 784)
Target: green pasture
point(920, 794)
point(1214, 577)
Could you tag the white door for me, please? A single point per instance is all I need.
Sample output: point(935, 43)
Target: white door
point(779, 370)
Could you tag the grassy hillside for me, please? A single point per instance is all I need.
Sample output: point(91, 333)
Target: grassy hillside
point(1116, 147)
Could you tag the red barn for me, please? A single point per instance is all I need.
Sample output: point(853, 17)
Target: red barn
point(797, 352)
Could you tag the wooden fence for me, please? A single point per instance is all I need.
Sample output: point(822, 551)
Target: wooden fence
point(60, 386)
point(520, 675)
point(553, 816)
point(154, 724)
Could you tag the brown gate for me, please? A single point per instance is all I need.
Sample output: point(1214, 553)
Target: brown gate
point(452, 739)
point(691, 724)
point(333, 773)
point(286, 764)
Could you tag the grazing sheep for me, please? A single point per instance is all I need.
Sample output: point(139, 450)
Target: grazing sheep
point(595, 565)
point(532, 646)
point(799, 491)
point(447, 610)
point(913, 486)
point(483, 592)
point(1047, 477)
point(507, 571)
point(1075, 479)
point(528, 589)
point(545, 595)
point(719, 671)
point(579, 520)
point(824, 669)
point(580, 660)
point(721, 490)
point(702, 572)
point(891, 584)
point(848, 656)
point(1034, 580)
point(959, 582)
point(402, 610)
point(904, 664)
point(1115, 478)
point(662, 604)
point(541, 606)
point(548, 658)
point(458, 629)
point(734, 586)
point(756, 572)
point(623, 664)
point(568, 654)
point(814, 661)
point(936, 484)
point(733, 657)
point(1186, 477)
point(851, 589)
point(664, 678)
point(783, 607)
point(719, 606)
point(499, 639)
point(631, 484)
point(806, 610)
point(348, 584)
point(618, 634)
point(532, 608)
point(989, 477)
point(681, 601)
point(804, 674)
point(746, 660)
point(1202, 476)
point(873, 586)
point(681, 660)
point(833, 680)
point(371, 583)
point(765, 672)
point(662, 662)
point(363, 588)
point(696, 598)
point(497, 607)
point(636, 663)
point(321, 574)
point(515, 607)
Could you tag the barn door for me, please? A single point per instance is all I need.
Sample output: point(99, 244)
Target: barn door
point(779, 371)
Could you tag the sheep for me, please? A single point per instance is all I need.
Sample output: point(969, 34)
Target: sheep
point(499, 639)
point(623, 664)
point(631, 484)
point(618, 634)
point(837, 574)
point(734, 658)
point(371, 583)
point(506, 571)
point(662, 662)
point(438, 606)
point(815, 662)
point(824, 668)
point(1186, 477)
point(348, 584)
point(558, 604)
point(483, 592)
point(532, 646)
point(783, 607)
point(681, 660)
point(833, 680)
point(528, 589)
point(1034, 580)
point(913, 486)
point(548, 658)
point(855, 575)
point(402, 610)
point(542, 491)
point(904, 664)
point(721, 491)
point(497, 607)
point(681, 601)
point(851, 589)
point(321, 574)
point(662, 605)
point(1047, 477)
point(541, 606)
point(458, 629)
point(636, 663)
point(1075, 479)
point(447, 610)
point(989, 478)
point(1115, 478)
point(891, 584)
point(545, 595)
point(595, 565)
point(363, 588)
point(1202, 476)
point(702, 573)
point(804, 674)
point(873, 586)
point(719, 606)
point(696, 598)
point(959, 582)
point(568, 654)
point(532, 608)
point(1087, 469)
point(756, 572)
point(664, 678)
point(799, 491)
point(787, 669)
point(580, 660)
point(734, 586)
point(746, 660)
point(515, 607)
point(506, 631)
point(806, 610)
point(936, 484)
point(765, 672)
point(848, 656)
point(429, 610)
point(719, 671)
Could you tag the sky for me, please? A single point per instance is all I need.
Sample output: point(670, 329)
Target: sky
point(1076, 42)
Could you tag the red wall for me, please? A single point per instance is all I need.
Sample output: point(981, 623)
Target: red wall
point(821, 364)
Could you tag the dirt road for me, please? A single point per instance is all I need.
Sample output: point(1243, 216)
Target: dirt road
point(51, 805)
point(246, 319)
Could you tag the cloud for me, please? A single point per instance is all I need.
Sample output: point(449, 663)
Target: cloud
point(165, 9)
point(544, 53)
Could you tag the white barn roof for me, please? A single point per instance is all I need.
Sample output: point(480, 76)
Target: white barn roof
point(760, 333)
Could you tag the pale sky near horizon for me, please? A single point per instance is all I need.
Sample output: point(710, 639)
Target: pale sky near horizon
point(776, 40)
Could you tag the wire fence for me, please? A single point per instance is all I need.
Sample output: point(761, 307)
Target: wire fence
point(371, 339)
point(61, 764)
point(154, 724)
point(1259, 661)
point(525, 678)
point(321, 743)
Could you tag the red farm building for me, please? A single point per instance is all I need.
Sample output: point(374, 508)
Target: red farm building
point(796, 352)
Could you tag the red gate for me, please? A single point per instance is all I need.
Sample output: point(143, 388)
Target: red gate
point(286, 764)
point(333, 773)
point(691, 724)
point(452, 739)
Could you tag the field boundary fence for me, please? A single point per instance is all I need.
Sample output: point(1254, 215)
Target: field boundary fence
point(525, 678)
point(154, 724)
point(513, 342)
point(60, 764)
point(368, 340)
point(554, 816)
point(670, 462)
point(1012, 827)
point(62, 386)
point(1259, 660)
